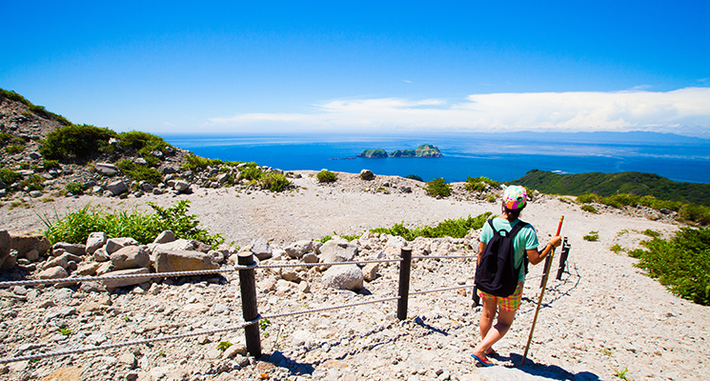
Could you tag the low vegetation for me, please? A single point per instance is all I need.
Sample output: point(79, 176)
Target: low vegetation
point(326, 176)
point(438, 187)
point(593, 236)
point(681, 263)
point(35, 109)
point(77, 142)
point(8, 176)
point(479, 184)
point(139, 172)
point(144, 227)
point(457, 228)
point(691, 213)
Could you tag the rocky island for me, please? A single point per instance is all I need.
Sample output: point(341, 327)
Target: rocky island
point(424, 150)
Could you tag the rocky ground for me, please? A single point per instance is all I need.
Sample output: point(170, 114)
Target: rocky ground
point(604, 320)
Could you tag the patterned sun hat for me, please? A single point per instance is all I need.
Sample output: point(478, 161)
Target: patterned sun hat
point(514, 197)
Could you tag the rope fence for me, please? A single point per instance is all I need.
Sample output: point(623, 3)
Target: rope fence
point(246, 267)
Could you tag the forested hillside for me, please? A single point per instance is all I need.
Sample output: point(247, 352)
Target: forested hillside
point(609, 184)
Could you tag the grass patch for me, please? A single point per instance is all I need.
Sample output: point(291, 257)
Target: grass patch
point(12, 149)
point(75, 227)
point(274, 182)
point(616, 248)
point(326, 176)
point(438, 187)
point(139, 172)
point(8, 176)
point(33, 182)
point(593, 236)
point(681, 263)
point(457, 228)
point(589, 208)
point(75, 188)
point(479, 184)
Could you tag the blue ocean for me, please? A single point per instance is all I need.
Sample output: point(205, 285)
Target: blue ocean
point(498, 156)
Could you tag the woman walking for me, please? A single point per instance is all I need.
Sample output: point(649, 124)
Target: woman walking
point(524, 243)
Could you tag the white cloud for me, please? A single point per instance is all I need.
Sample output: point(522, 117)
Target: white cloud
point(672, 111)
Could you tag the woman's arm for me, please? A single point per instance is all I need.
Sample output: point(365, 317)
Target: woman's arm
point(536, 257)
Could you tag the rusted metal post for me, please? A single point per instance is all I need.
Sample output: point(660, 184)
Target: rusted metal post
point(247, 287)
point(563, 259)
point(405, 269)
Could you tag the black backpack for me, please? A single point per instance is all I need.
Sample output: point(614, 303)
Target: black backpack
point(496, 274)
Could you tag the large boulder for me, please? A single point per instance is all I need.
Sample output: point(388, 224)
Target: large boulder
point(112, 284)
point(346, 277)
point(337, 250)
point(24, 242)
point(298, 249)
point(173, 260)
point(130, 257)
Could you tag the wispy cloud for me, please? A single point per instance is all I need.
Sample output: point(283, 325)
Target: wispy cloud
point(406, 81)
point(671, 111)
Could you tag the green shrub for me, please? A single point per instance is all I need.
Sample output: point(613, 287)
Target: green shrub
point(77, 142)
point(8, 176)
point(414, 177)
point(139, 172)
point(33, 182)
point(478, 184)
point(144, 144)
point(589, 208)
point(651, 233)
point(682, 263)
point(593, 236)
point(457, 228)
point(326, 176)
point(75, 227)
point(274, 182)
point(49, 164)
point(75, 188)
point(438, 187)
point(14, 148)
point(197, 162)
point(616, 248)
point(250, 173)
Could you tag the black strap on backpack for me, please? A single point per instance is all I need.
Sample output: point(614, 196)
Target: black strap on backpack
point(496, 274)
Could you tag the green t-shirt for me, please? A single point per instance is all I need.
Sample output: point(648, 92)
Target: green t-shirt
point(526, 239)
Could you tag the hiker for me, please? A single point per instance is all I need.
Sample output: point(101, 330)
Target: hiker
point(524, 243)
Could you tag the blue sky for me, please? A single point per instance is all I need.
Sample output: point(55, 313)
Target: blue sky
point(366, 66)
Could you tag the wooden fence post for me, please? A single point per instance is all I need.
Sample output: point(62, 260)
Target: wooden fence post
point(247, 285)
point(405, 269)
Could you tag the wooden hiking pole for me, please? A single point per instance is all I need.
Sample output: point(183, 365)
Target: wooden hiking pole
point(542, 293)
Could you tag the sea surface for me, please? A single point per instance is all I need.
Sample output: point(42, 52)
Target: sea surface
point(500, 156)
